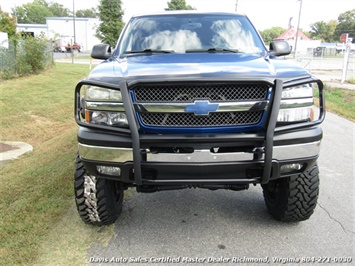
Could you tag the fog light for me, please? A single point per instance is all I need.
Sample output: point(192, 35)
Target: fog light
point(288, 168)
point(109, 170)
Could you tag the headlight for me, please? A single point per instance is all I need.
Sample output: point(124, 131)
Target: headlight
point(296, 104)
point(116, 119)
point(93, 93)
point(296, 114)
point(103, 106)
point(302, 91)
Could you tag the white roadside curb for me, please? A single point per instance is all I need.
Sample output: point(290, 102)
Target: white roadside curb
point(17, 149)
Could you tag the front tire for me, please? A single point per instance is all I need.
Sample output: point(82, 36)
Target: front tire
point(293, 198)
point(98, 201)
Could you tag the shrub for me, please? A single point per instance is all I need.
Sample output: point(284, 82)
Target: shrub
point(24, 56)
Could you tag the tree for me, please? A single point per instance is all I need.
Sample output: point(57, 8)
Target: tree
point(59, 10)
point(110, 14)
point(32, 13)
point(86, 13)
point(7, 23)
point(269, 34)
point(179, 5)
point(324, 31)
point(37, 11)
point(346, 24)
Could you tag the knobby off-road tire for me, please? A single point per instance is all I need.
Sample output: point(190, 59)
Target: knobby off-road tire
point(293, 198)
point(99, 201)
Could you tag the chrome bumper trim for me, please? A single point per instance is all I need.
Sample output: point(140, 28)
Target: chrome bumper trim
point(297, 151)
point(280, 153)
point(105, 154)
point(199, 156)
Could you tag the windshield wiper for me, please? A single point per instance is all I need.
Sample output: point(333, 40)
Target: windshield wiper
point(150, 51)
point(216, 49)
point(213, 50)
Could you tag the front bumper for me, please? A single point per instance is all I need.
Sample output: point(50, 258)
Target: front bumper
point(125, 155)
point(241, 163)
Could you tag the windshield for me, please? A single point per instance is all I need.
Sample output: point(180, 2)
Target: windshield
point(184, 33)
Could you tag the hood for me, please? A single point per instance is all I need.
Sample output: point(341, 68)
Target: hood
point(197, 65)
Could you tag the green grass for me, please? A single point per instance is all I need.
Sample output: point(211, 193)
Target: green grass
point(340, 101)
point(37, 189)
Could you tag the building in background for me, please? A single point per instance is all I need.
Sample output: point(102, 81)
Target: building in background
point(61, 30)
point(304, 43)
point(4, 40)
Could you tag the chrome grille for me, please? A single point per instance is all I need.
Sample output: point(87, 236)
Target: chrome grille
point(191, 120)
point(190, 93)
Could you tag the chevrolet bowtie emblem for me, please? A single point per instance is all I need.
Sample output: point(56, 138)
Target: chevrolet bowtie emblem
point(201, 107)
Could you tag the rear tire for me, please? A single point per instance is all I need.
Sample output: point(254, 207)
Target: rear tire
point(293, 198)
point(98, 201)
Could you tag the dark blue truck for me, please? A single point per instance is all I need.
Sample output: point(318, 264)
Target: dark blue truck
point(195, 100)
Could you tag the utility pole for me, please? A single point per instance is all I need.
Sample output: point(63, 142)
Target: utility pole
point(74, 21)
point(298, 28)
point(15, 15)
point(72, 45)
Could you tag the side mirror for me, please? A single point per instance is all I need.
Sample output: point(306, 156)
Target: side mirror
point(101, 51)
point(278, 48)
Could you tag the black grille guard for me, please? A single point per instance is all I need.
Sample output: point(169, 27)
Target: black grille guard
point(269, 131)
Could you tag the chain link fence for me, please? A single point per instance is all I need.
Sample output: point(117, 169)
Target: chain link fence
point(333, 65)
point(312, 61)
point(25, 56)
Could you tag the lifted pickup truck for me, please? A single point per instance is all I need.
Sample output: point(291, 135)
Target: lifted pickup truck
point(196, 100)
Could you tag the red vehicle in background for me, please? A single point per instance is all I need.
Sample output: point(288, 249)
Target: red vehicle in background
point(74, 46)
point(65, 45)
